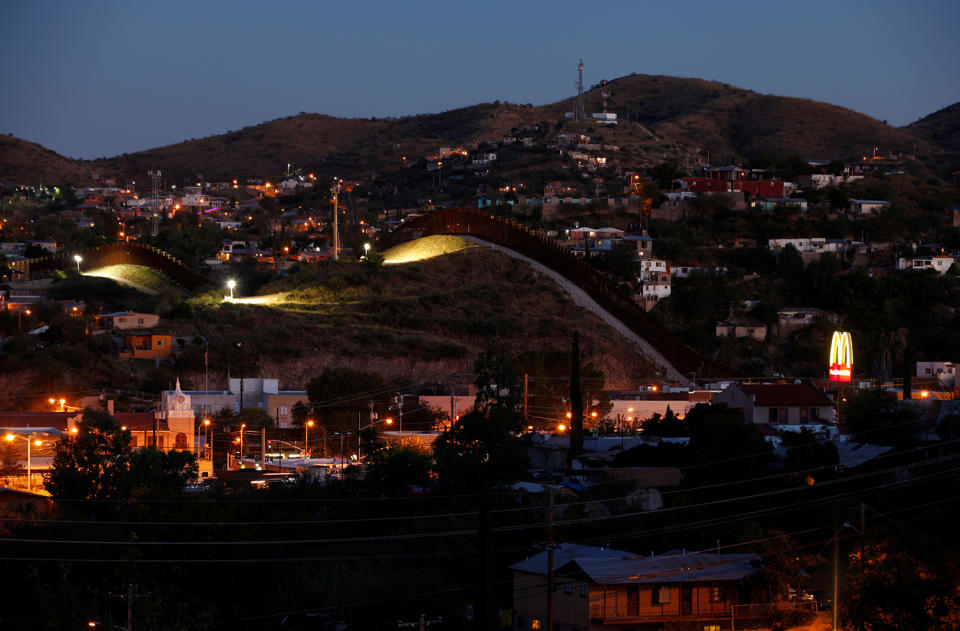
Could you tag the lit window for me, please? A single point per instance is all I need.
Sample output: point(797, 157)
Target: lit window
point(661, 595)
point(717, 593)
point(535, 624)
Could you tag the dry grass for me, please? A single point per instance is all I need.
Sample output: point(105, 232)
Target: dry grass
point(426, 248)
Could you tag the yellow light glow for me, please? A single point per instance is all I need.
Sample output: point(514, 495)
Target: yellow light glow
point(309, 423)
point(9, 437)
point(37, 442)
point(561, 427)
point(74, 430)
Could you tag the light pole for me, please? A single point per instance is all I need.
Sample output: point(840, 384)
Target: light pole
point(206, 438)
point(230, 285)
point(19, 313)
point(366, 250)
point(77, 258)
point(29, 439)
point(306, 443)
point(388, 421)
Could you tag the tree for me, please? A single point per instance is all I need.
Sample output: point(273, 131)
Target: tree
point(392, 471)
point(94, 463)
point(890, 589)
point(667, 425)
point(337, 394)
point(154, 472)
point(481, 445)
point(548, 387)
point(254, 418)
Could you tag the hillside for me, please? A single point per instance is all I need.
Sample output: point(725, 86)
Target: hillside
point(23, 162)
point(430, 318)
point(687, 116)
point(942, 128)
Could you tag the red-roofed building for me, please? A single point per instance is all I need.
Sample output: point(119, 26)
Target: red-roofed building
point(776, 404)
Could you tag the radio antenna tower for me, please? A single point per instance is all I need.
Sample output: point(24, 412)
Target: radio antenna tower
point(580, 114)
point(155, 202)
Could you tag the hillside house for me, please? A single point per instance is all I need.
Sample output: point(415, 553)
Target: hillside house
point(147, 346)
point(940, 264)
point(775, 404)
point(739, 329)
point(127, 320)
point(793, 319)
point(867, 206)
point(601, 588)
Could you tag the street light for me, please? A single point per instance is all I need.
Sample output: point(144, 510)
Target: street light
point(77, 258)
point(30, 440)
point(366, 250)
point(306, 444)
point(388, 421)
point(230, 285)
point(206, 436)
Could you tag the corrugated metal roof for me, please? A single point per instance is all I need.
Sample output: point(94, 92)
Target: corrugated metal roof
point(606, 566)
point(667, 569)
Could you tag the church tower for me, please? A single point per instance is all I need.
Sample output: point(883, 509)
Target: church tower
point(177, 409)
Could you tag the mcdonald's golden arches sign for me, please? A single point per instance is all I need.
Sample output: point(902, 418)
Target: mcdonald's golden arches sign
point(841, 357)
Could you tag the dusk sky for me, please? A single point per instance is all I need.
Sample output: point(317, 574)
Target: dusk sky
point(99, 78)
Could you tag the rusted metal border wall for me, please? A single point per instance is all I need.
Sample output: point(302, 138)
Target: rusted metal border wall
point(511, 234)
point(116, 254)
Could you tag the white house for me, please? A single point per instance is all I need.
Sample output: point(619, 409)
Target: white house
point(775, 404)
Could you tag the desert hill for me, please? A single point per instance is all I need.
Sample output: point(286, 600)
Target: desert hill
point(942, 128)
point(660, 117)
point(23, 162)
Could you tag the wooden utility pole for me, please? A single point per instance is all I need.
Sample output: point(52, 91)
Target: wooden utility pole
point(336, 232)
point(550, 547)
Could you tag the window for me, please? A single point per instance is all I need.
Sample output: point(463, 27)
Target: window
point(583, 591)
point(535, 624)
point(718, 593)
point(804, 415)
point(778, 415)
point(180, 442)
point(711, 627)
point(661, 595)
point(284, 410)
point(568, 588)
point(814, 415)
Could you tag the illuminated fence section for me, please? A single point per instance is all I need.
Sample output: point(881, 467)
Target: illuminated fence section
point(511, 234)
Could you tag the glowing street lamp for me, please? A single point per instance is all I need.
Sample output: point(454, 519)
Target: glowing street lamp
point(366, 250)
point(230, 285)
point(306, 428)
point(77, 258)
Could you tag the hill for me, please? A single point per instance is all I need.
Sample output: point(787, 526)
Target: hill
point(660, 116)
point(23, 162)
point(942, 128)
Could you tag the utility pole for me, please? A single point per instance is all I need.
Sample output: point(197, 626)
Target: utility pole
point(129, 596)
point(580, 115)
point(336, 233)
point(155, 198)
point(550, 547)
point(526, 393)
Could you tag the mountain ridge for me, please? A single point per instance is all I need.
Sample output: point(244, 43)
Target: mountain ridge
point(685, 115)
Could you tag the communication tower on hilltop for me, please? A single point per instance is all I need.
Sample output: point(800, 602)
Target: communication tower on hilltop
point(155, 202)
point(580, 115)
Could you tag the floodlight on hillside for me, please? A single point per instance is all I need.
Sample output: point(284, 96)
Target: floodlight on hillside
point(230, 285)
point(77, 258)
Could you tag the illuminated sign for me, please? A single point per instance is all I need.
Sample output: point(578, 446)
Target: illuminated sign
point(841, 357)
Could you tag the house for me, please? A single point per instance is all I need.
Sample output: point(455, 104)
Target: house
point(939, 264)
point(793, 319)
point(741, 328)
point(944, 372)
point(867, 206)
point(602, 588)
point(127, 320)
point(147, 346)
point(775, 404)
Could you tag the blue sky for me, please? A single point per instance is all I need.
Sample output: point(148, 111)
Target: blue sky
point(91, 78)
